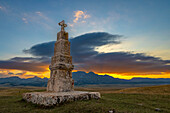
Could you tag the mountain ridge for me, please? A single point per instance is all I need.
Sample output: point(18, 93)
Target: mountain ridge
point(82, 78)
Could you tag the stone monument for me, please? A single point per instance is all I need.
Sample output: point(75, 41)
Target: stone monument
point(60, 86)
point(61, 64)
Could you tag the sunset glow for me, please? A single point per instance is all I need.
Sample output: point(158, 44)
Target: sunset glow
point(133, 75)
point(116, 38)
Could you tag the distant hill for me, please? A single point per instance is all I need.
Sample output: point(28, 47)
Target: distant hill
point(82, 78)
point(16, 81)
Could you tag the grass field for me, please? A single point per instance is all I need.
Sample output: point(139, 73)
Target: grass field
point(130, 100)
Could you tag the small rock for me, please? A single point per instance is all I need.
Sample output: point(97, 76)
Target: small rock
point(157, 109)
point(140, 104)
point(112, 111)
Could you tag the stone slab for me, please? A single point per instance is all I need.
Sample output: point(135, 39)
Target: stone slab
point(53, 98)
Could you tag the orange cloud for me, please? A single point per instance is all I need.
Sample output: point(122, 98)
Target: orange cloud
point(23, 74)
point(80, 14)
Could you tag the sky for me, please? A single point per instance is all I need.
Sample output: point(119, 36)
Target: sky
point(121, 38)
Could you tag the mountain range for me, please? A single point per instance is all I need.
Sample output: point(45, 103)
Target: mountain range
point(82, 78)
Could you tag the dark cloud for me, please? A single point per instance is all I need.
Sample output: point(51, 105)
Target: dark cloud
point(4, 75)
point(85, 58)
point(44, 49)
point(36, 67)
point(83, 46)
point(25, 63)
point(20, 73)
point(31, 59)
point(123, 62)
point(10, 73)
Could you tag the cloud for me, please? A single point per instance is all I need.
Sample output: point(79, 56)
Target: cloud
point(22, 73)
point(80, 15)
point(31, 59)
point(124, 62)
point(83, 46)
point(26, 64)
point(3, 8)
point(85, 57)
point(71, 25)
point(38, 18)
point(39, 13)
point(4, 75)
point(85, 43)
point(25, 20)
point(42, 15)
point(44, 49)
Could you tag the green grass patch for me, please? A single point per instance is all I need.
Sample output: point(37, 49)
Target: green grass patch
point(11, 102)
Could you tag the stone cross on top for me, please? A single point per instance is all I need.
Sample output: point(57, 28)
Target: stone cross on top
point(63, 25)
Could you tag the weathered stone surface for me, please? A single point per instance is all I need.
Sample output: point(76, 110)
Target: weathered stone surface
point(61, 59)
point(61, 64)
point(52, 98)
point(61, 83)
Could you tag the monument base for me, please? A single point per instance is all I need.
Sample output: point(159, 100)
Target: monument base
point(54, 98)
